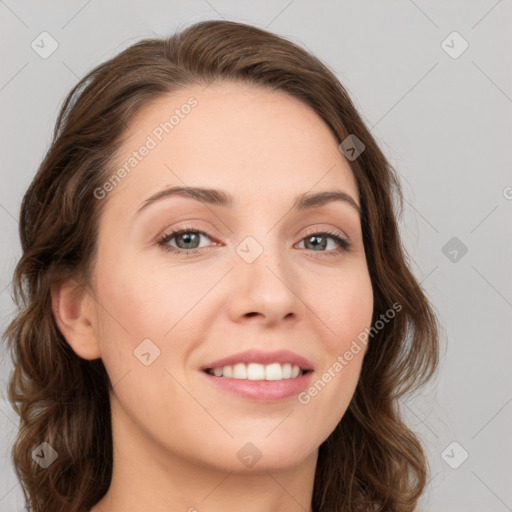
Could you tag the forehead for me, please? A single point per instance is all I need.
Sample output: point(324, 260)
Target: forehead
point(232, 136)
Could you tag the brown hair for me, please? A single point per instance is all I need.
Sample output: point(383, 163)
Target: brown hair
point(371, 461)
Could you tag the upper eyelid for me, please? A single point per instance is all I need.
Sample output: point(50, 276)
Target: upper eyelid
point(328, 217)
point(330, 232)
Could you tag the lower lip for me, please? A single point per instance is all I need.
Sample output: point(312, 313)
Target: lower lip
point(264, 390)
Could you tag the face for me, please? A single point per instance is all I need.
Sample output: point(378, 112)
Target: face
point(253, 274)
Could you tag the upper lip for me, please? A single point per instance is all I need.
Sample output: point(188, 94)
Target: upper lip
point(258, 356)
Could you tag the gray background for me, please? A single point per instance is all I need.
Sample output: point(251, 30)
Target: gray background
point(444, 122)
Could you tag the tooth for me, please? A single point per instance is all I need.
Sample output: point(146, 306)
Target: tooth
point(239, 371)
point(255, 371)
point(287, 371)
point(273, 372)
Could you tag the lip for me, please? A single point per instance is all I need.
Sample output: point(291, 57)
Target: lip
point(260, 357)
point(262, 390)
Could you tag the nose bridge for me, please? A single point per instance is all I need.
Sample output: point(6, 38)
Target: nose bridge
point(260, 250)
point(264, 280)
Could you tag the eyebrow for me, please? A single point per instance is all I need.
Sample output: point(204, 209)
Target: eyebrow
point(215, 197)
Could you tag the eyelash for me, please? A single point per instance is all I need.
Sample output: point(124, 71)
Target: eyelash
point(344, 245)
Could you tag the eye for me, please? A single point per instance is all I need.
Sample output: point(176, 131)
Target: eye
point(319, 241)
point(187, 239)
point(188, 242)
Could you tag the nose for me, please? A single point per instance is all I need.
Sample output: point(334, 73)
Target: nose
point(264, 290)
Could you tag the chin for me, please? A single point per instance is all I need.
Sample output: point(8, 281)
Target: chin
point(252, 454)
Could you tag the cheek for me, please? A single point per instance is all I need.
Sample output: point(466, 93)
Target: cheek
point(143, 299)
point(127, 312)
point(140, 300)
point(345, 308)
point(344, 304)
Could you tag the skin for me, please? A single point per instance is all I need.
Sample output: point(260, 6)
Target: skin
point(176, 436)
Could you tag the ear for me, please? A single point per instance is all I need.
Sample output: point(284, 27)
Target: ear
point(73, 308)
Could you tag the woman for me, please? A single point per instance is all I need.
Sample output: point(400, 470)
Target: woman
point(215, 309)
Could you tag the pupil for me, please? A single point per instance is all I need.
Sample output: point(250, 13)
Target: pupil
point(187, 238)
point(322, 245)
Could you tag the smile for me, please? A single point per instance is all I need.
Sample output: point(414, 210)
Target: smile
point(256, 371)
